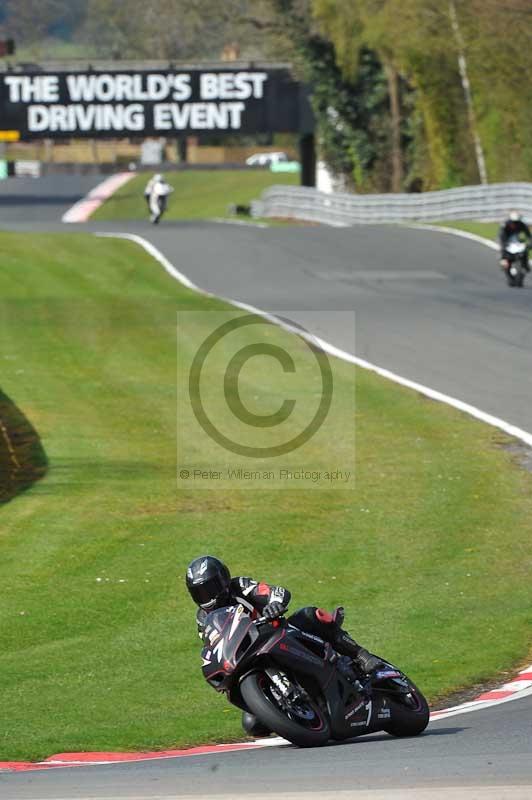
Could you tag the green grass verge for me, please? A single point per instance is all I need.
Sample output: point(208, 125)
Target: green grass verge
point(431, 555)
point(487, 229)
point(200, 194)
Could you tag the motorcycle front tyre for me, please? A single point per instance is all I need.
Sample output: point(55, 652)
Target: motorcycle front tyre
point(254, 690)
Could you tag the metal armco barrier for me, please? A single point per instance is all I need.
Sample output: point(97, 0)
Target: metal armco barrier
point(490, 203)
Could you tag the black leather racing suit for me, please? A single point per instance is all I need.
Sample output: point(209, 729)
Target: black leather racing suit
point(256, 596)
point(252, 595)
point(514, 228)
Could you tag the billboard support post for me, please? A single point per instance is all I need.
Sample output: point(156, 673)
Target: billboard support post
point(307, 154)
point(182, 149)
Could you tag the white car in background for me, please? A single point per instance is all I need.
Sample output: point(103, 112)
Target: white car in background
point(266, 159)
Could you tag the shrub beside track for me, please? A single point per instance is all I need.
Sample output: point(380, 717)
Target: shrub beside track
point(22, 457)
point(431, 555)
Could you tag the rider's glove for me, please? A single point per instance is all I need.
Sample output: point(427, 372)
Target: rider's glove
point(273, 610)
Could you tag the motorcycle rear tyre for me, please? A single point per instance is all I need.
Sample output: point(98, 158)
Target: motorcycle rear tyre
point(409, 721)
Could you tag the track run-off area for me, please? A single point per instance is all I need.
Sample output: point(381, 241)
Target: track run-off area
point(430, 307)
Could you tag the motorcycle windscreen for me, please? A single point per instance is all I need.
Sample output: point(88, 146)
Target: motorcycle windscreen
point(515, 246)
point(229, 633)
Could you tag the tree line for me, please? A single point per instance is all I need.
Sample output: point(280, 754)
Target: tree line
point(408, 94)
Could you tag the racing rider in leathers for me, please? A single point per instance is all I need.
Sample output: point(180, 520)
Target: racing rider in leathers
point(211, 586)
point(156, 192)
point(514, 226)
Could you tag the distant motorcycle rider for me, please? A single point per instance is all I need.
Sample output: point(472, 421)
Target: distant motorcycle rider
point(513, 227)
point(211, 586)
point(155, 193)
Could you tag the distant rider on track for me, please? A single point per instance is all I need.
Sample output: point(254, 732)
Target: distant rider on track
point(513, 227)
point(155, 193)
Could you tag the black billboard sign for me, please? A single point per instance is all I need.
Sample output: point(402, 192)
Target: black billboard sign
point(150, 103)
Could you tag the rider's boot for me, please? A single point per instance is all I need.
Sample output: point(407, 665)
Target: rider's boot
point(363, 659)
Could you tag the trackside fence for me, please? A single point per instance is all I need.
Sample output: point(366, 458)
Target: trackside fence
point(489, 203)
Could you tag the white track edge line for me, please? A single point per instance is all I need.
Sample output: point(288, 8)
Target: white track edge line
point(241, 222)
point(156, 254)
point(453, 232)
point(479, 705)
point(433, 394)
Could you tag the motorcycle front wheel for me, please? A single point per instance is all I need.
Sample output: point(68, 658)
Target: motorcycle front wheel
point(302, 721)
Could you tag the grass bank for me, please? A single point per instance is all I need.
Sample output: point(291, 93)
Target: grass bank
point(431, 553)
point(199, 194)
point(487, 229)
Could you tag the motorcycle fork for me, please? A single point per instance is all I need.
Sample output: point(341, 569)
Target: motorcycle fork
point(284, 685)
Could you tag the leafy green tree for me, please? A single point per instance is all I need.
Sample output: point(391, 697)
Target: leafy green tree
point(351, 113)
point(413, 41)
point(167, 29)
point(30, 21)
point(365, 24)
point(497, 39)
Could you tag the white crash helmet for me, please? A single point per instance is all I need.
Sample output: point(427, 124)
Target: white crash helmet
point(515, 216)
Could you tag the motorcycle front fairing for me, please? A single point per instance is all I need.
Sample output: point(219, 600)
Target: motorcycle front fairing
point(516, 241)
point(515, 248)
point(229, 632)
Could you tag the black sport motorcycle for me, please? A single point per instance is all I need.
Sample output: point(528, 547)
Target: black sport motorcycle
point(297, 686)
point(515, 261)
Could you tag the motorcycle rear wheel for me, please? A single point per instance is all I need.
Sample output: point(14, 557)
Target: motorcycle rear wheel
point(407, 719)
point(312, 731)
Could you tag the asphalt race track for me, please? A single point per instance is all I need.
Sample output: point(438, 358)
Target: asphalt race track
point(42, 199)
point(469, 752)
point(430, 307)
